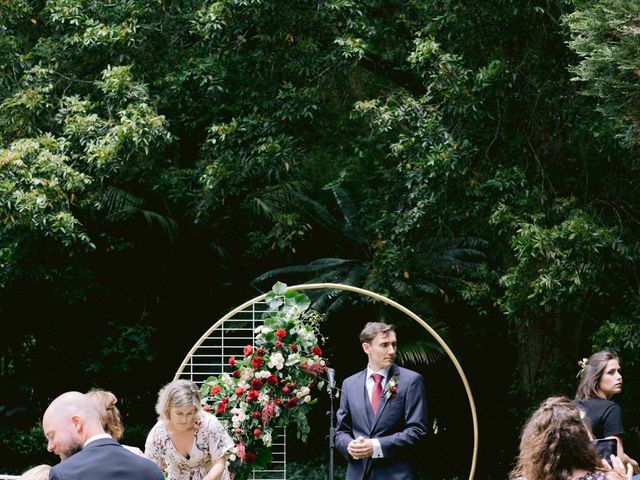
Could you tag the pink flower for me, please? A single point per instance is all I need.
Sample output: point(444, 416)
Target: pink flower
point(248, 350)
point(232, 361)
point(257, 432)
point(240, 451)
point(313, 369)
point(268, 411)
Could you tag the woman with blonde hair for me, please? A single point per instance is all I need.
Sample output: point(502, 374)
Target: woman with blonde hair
point(556, 445)
point(110, 415)
point(187, 442)
point(41, 472)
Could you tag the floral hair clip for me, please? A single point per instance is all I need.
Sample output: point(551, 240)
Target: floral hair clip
point(582, 364)
point(391, 388)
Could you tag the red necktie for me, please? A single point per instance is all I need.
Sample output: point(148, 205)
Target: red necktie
point(377, 391)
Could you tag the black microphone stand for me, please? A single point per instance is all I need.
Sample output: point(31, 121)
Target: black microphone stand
point(332, 429)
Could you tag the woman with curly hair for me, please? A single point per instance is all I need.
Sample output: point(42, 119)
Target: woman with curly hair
point(556, 445)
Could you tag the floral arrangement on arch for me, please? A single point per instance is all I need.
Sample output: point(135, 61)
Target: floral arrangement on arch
point(275, 384)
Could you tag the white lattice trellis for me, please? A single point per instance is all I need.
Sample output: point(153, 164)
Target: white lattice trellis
point(209, 356)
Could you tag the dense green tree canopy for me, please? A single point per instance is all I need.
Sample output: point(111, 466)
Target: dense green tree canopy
point(159, 157)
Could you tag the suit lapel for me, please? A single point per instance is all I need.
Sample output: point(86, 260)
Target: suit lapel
point(365, 412)
point(393, 372)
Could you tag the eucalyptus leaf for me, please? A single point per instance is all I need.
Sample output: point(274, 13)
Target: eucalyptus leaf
point(279, 288)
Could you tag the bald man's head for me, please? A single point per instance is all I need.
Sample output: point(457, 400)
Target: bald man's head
point(69, 421)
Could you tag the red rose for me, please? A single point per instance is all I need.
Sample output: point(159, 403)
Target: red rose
point(257, 432)
point(238, 391)
point(316, 351)
point(236, 374)
point(393, 389)
point(252, 395)
point(281, 333)
point(261, 351)
point(248, 350)
point(279, 401)
point(256, 414)
point(256, 362)
point(225, 400)
point(250, 457)
point(256, 383)
point(206, 407)
point(273, 380)
point(286, 389)
point(215, 390)
point(294, 348)
point(221, 408)
point(292, 402)
point(278, 344)
point(232, 361)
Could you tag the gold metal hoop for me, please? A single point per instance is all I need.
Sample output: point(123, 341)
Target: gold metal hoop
point(362, 291)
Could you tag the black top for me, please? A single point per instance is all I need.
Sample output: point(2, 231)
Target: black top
point(604, 417)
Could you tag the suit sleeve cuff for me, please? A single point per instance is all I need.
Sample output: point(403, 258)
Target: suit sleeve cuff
point(377, 449)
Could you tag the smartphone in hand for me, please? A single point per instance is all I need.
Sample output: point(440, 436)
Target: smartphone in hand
point(605, 447)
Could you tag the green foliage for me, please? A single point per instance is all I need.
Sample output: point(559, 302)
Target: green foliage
point(605, 37)
point(156, 156)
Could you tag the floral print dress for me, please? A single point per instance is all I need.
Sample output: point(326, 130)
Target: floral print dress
point(211, 442)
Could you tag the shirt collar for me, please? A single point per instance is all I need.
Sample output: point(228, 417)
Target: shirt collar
point(96, 437)
point(383, 371)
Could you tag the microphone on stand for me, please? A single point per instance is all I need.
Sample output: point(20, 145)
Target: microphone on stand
point(331, 376)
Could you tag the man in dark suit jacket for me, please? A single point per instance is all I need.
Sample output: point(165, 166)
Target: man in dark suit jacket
point(383, 412)
point(74, 432)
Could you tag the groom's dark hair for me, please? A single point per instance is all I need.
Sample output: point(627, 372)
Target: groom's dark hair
point(371, 329)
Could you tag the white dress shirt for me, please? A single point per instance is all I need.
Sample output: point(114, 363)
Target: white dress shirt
point(96, 437)
point(377, 449)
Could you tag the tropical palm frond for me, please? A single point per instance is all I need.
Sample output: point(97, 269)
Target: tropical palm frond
point(419, 352)
point(121, 205)
point(320, 215)
point(313, 268)
point(168, 225)
point(347, 207)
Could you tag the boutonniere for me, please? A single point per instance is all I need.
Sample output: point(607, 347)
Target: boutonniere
point(391, 388)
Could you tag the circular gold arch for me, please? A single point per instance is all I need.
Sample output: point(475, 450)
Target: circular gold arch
point(362, 291)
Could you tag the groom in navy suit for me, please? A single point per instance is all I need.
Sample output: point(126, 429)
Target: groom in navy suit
point(74, 432)
point(383, 412)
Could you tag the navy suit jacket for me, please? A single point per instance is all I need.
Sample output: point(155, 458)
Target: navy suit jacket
point(106, 459)
point(400, 424)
